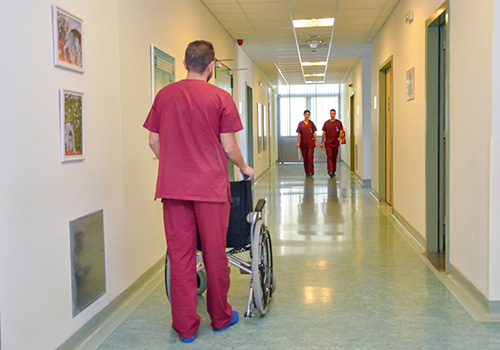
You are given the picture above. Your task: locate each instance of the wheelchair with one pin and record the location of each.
(246, 233)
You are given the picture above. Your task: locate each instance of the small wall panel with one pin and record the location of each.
(88, 277)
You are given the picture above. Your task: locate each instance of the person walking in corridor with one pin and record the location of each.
(333, 130)
(307, 141)
(192, 126)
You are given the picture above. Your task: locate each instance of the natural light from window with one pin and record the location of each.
(294, 99)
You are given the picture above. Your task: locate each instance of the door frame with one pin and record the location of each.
(432, 109)
(382, 126)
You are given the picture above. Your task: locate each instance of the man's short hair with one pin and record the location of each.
(198, 55)
(333, 110)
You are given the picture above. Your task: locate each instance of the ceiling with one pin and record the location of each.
(278, 49)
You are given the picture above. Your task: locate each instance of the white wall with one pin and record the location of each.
(251, 75)
(355, 79)
(39, 195)
(470, 119)
(470, 131)
(345, 151)
(360, 80)
(406, 44)
(494, 263)
(366, 107)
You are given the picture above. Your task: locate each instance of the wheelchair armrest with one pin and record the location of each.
(260, 205)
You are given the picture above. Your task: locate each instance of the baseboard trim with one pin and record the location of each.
(94, 332)
(471, 298)
(409, 229)
(475, 303)
(495, 309)
(364, 183)
(375, 195)
(256, 181)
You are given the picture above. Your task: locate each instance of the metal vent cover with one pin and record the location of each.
(88, 277)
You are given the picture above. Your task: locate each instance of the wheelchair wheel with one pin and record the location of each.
(201, 276)
(261, 268)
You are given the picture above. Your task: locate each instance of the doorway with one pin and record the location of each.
(250, 126)
(437, 138)
(385, 133)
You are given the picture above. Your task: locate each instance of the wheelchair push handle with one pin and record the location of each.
(260, 205)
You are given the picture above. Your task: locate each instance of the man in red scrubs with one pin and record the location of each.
(192, 126)
(332, 131)
(306, 140)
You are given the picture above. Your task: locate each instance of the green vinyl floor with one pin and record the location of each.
(346, 279)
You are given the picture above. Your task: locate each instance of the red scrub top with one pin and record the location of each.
(189, 116)
(306, 134)
(332, 130)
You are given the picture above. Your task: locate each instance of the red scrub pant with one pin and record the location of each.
(183, 219)
(308, 157)
(331, 158)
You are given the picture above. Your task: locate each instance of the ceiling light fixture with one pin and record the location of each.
(315, 75)
(314, 43)
(323, 63)
(313, 22)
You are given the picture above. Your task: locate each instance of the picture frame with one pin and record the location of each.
(162, 70)
(410, 84)
(72, 125)
(68, 40)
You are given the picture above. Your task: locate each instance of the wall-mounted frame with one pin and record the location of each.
(162, 70)
(410, 84)
(68, 39)
(71, 110)
(259, 127)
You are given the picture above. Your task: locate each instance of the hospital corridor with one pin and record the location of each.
(348, 277)
(370, 129)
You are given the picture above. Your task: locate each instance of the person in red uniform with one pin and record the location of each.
(192, 126)
(332, 132)
(306, 140)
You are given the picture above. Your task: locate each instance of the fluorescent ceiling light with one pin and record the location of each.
(323, 63)
(315, 75)
(315, 82)
(313, 22)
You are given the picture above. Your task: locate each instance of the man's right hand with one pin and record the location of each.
(247, 173)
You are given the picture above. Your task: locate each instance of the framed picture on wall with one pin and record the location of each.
(162, 70)
(68, 38)
(410, 84)
(72, 132)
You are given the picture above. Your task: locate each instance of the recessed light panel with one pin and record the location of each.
(313, 22)
(322, 63)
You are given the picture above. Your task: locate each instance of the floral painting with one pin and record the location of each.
(72, 127)
(68, 40)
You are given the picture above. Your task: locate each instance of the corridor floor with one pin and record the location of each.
(346, 279)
